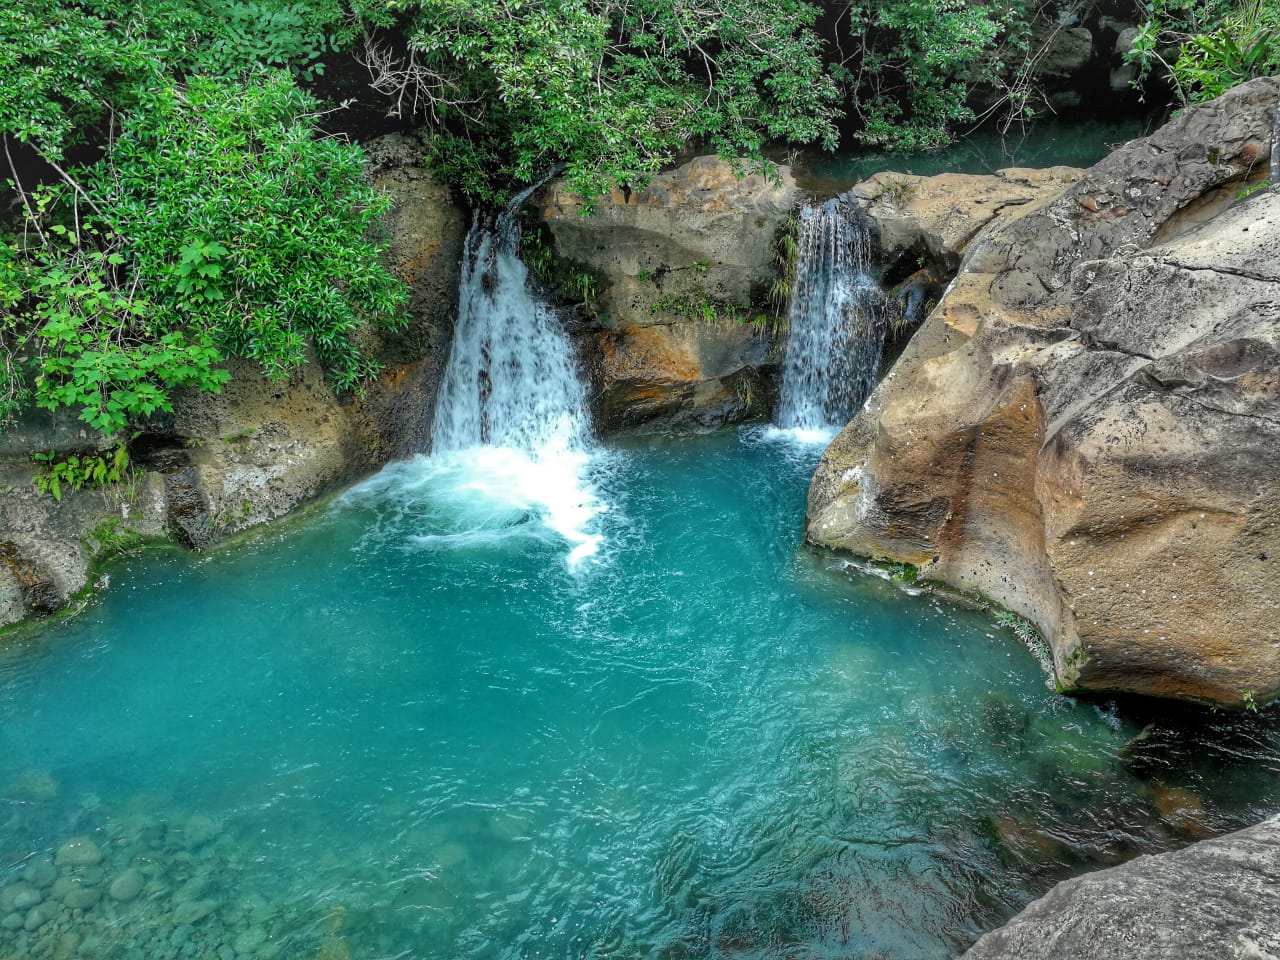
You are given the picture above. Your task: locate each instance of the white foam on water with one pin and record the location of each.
(513, 455)
(800, 436)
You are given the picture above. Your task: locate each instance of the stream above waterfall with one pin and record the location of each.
(341, 740)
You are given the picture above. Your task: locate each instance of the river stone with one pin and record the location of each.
(78, 852)
(38, 916)
(67, 946)
(199, 830)
(127, 886)
(76, 895)
(193, 911)
(250, 940)
(1087, 428)
(40, 872)
(25, 898)
(12, 921)
(1216, 900)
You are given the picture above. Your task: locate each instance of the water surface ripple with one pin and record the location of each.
(340, 742)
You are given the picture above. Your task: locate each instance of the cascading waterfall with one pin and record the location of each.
(511, 380)
(511, 441)
(838, 320)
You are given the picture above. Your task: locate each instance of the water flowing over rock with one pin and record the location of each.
(837, 320)
(1086, 427)
(512, 451)
(1217, 900)
(511, 379)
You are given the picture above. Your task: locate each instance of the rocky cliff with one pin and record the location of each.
(683, 270)
(258, 451)
(1087, 428)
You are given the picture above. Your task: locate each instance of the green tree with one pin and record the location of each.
(613, 89)
(219, 223)
(910, 66)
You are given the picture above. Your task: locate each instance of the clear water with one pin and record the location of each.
(837, 322)
(1052, 141)
(362, 737)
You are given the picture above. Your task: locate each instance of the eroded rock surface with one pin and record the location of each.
(683, 268)
(935, 218)
(1087, 428)
(1216, 900)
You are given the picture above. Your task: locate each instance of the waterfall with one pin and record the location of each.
(511, 379)
(512, 457)
(838, 320)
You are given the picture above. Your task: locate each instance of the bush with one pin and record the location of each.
(218, 224)
(1217, 44)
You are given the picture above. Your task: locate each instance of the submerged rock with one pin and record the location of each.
(1087, 427)
(1216, 900)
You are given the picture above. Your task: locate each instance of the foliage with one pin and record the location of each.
(1205, 47)
(76, 472)
(218, 224)
(611, 89)
(111, 537)
(68, 64)
(786, 259)
(914, 62)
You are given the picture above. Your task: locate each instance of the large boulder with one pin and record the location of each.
(1216, 900)
(931, 220)
(259, 450)
(682, 271)
(1086, 430)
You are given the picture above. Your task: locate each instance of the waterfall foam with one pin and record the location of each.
(511, 441)
(837, 324)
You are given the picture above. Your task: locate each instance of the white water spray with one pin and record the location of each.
(511, 441)
(837, 327)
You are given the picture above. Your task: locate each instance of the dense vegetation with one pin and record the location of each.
(178, 202)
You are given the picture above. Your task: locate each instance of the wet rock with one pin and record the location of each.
(78, 852)
(12, 921)
(679, 377)
(127, 886)
(1215, 900)
(74, 893)
(67, 946)
(38, 916)
(193, 911)
(40, 872)
(248, 942)
(680, 267)
(24, 897)
(32, 786)
(1180, 808)
(199, 830)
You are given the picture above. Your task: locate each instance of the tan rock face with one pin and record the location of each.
(937, 216)
(692, 257)
(1087, 428)
(679, 376)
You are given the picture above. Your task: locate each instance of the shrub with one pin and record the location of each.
(218, 224)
